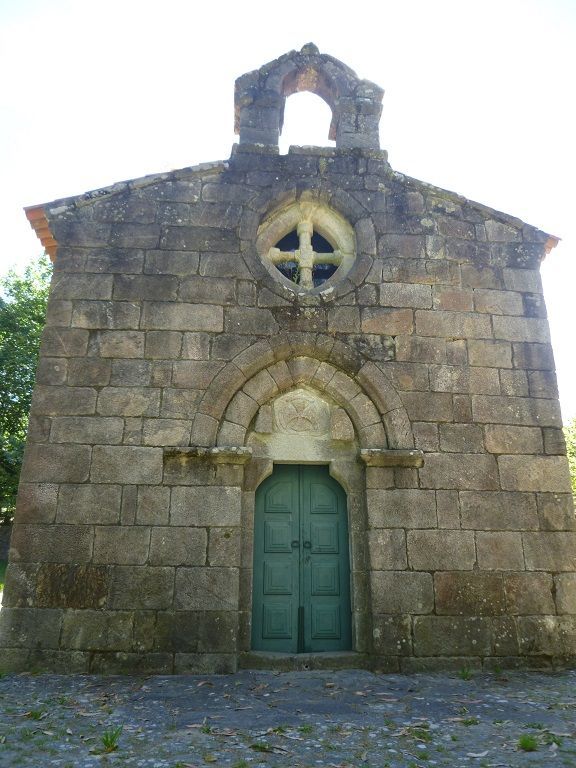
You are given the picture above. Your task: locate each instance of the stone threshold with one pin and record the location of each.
(293, 662)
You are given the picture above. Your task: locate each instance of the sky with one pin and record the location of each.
(479, 99)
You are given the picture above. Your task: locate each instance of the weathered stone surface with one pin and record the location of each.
(121, 544)
(441, 550)
(387, 550)
(550, 551)
(126, 464)
(97, 630)
(509, 439)
(487, 352)
(89, 504)
(119, 344)
(402, 592)
(565, 593)
(179, 316)
(556, 511)
(498, 511)
(128, 401)
(205, 505)
(51, 543)
(62, 401)
(516, 410)
(206, 589)
(178, 546)
(460, 470)
(86, 429)
(141, 586)
(529, 593)
(461, 438)
(390, 322)
(56, 463)
(499, 551)
(534, 473)
(153, 505)
(469, 594)
(401, 508)
(36, 502)
(452, 636)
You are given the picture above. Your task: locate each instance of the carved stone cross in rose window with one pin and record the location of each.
(305, 256)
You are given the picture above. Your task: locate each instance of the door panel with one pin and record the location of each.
(301, 597)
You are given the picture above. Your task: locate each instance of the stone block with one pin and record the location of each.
(387, 550)
(64, 342)
(534, 473)
(510, 439)
(480, 276)
(516, 410)
(36, 502)
(89, 504)
(441, 550)
(554, 441)
(20, 585)
(565, 592)
(30, 628)
(181, 263)
(56, 463)
(126, 464)
(195, 374)
(251, 320)
(179, 402)
(139, 287)
(126, 261)
(550, 551)
(428, 406)
(426, 436)
(141, 587)
(392, 635)
(205, 506)
(223, 265)
(51, 370)
(341, 428)
(60, 585)
(199, 238)
(208, 290)
(524, 280)
(196, 346)
(121, 544)
(97, 630)
(529, 593)
(533, 356)
(402, 592)
(166, 432)
(389, 322)
(163, 345)
(81, 286)
(405, 295)
(408, 376)
(452, 636)
(130, 373)
(452, 324)
(129, 401)
(178, 546)
(401, 508)
(542, 384)
(153, 505)
(121, 344)
(527, 329)
(420, 349)
(470, 593)
(547, 635)
(90, 371)
(113, 315)
(344, 320)
(51, 543)
(224, 546)
(490, 353)
(460, 471)
(556, 511)
(452, 299)
(158, 315)
(86, 429)
(63, 401)
(206, 589)
(498, 511)
(498, 302)
(461, 438)
(448, 509)
(448, 378)
(58, 313)
(499, 551)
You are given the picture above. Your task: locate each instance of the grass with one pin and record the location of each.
(528, 743)
(110, 739)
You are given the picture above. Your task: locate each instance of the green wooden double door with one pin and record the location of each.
(301, 594)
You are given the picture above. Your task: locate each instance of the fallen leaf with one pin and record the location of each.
(477, 754)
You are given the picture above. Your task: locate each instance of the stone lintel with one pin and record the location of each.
(227, 454)
(386, 457)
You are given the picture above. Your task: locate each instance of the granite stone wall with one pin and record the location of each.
(168, 335)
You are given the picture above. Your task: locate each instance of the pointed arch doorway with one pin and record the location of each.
(301, 576)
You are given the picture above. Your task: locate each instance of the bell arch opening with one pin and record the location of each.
(306, 121)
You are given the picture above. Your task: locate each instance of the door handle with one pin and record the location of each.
(295, 543)
(307, 544)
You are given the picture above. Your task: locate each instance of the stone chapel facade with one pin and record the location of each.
(292, 409)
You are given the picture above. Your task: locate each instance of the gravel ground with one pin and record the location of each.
(339, 719)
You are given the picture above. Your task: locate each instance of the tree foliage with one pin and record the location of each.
(570, 435)
(23, 301)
